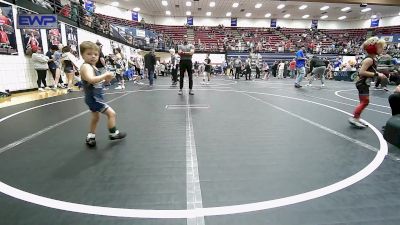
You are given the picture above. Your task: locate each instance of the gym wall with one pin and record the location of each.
(16, 71)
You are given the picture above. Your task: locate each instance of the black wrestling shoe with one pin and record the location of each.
(117, 136)
(91, 142)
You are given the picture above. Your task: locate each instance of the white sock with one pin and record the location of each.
(90, 135)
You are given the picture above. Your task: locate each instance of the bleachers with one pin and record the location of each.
(212, 39)
(345, 35)
(387, 30)
(117, 21)
(257, 34)
(295, 35)
(174, 32)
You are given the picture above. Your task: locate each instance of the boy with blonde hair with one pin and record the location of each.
(94, 95)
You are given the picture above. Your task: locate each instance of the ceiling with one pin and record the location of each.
(155, 8)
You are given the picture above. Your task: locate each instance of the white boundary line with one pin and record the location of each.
(194, 199)
(322, 127)
(342, 103)
(187, 106)
(213, 211)
(27, 138)
(355, 100)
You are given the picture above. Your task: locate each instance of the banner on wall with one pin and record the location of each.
(374, 22)
(8, 40)
(234, 22)
(54, 36)
(135, 16)
(396, 38)
(31, 38)
(72, 39)
(387, 38)
(190, 20)
(314, 24)
(273, 22)
(140, 33)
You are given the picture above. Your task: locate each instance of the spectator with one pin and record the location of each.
(40, 64)
(149, 64)
(292, 68)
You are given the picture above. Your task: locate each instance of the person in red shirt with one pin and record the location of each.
(292, 68)
(4, 19)
(32, 42)
(3, 36)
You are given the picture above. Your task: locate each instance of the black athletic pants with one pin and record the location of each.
(258, 73)
(41, 78)
(231, 71)
(174, 75)
(237, 72)
(248, 73)
(394, 101)
(186, 65)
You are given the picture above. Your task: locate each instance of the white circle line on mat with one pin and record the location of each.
(355, 100)
(212, 211)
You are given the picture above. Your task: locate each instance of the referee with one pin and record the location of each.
(186, 52)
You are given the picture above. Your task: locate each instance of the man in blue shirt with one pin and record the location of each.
(301, 67)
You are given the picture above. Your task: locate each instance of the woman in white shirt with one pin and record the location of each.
(40, 65)
(281, 69)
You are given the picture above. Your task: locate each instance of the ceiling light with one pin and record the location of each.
(258, 5)
(188, 3)
(212, 4)
(115, 3)
(373, 17)
(366, 10)
(345, 9)
(303, 7)
(342, 17)
(136, 9)
(248, 14)
(168, 12)
(164, 3)
(188, 13)
(235, 5)
(324, 8)
(268, 15)
(324, 16)
(228, 14)
(208, 13)
(305, 16)
(286, 16)
(281, 6)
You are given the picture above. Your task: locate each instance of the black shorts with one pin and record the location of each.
(69, 69)
(362, 87)
(95, 101)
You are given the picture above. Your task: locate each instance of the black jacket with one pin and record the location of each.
(150, 61)
(316, 62)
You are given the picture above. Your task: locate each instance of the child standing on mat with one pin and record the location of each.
(94, 96)
(373, 47)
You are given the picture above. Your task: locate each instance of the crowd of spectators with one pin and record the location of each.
(217, 38)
